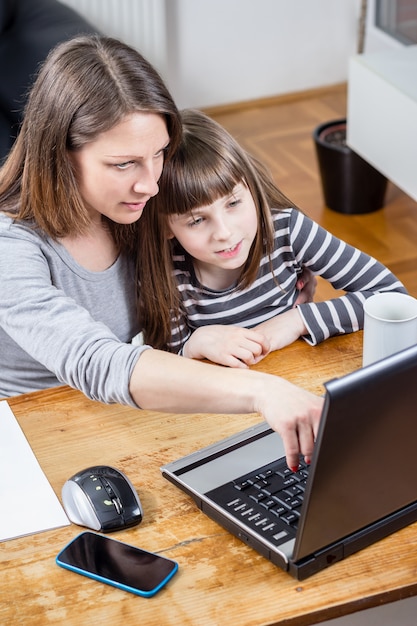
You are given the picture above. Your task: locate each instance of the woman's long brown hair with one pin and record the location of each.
(86, 86)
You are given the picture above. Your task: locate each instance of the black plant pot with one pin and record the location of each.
(350, 184)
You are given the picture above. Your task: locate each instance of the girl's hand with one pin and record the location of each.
(227, 345)
(283, 329)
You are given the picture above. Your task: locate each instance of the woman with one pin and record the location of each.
(98, 125)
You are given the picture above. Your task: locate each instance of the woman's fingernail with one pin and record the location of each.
(294, 469)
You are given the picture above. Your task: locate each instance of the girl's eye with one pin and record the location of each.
(195, 222)
(234, 203)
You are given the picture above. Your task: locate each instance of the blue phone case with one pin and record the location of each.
(65, 555)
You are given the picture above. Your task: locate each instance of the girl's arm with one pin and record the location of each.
(236, 346)
(344, 267)
(230, 345)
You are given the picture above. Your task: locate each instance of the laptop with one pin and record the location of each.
(361, 484)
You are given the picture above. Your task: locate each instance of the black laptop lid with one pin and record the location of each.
(364, 465)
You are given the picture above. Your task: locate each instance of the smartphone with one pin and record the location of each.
(116, 563)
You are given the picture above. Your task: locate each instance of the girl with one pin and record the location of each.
(224, 250)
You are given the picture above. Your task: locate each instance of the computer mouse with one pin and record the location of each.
(101, 498)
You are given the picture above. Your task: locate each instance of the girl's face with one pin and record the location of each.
(219, 236)
(119, 171)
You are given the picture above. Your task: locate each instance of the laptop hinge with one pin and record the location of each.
(318, 561)
(357, 541)
(380, 529)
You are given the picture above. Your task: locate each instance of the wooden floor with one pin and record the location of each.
(280, 133)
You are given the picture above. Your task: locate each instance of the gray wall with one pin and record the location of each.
(214, 52)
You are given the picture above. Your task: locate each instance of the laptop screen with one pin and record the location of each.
(364, 465)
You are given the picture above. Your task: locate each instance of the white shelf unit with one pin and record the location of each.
(382, 113)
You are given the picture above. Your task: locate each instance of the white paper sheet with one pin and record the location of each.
(28, 504)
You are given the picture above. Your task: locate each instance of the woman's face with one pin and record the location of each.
(119, 171)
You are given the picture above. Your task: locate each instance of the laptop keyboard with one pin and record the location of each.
(267, 501)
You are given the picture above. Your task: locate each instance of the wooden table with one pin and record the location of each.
(221, 580)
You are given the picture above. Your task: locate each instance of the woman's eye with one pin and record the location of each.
(123, 166)
(234, 203)
(161, 153)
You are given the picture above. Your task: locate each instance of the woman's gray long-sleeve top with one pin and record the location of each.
(62, 324)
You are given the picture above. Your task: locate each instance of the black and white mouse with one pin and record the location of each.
(101, 498)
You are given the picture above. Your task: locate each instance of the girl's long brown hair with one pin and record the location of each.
(206, 166)
(86, 86)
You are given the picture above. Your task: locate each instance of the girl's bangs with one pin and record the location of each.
(198, 185)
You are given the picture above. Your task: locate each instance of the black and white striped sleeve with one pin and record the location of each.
(347, 269)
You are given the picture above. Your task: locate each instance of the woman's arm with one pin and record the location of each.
(54, 332)
(162, 381)
(62, 324)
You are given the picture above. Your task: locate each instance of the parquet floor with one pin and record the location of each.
(280, 133)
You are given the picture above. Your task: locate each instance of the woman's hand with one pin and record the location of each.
(306, 285)
(295, 414)
(232, 346)
(283, 329)
(166, 382)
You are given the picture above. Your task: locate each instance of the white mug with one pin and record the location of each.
(390, 325)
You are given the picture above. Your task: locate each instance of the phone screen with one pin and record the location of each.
(117, 563)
